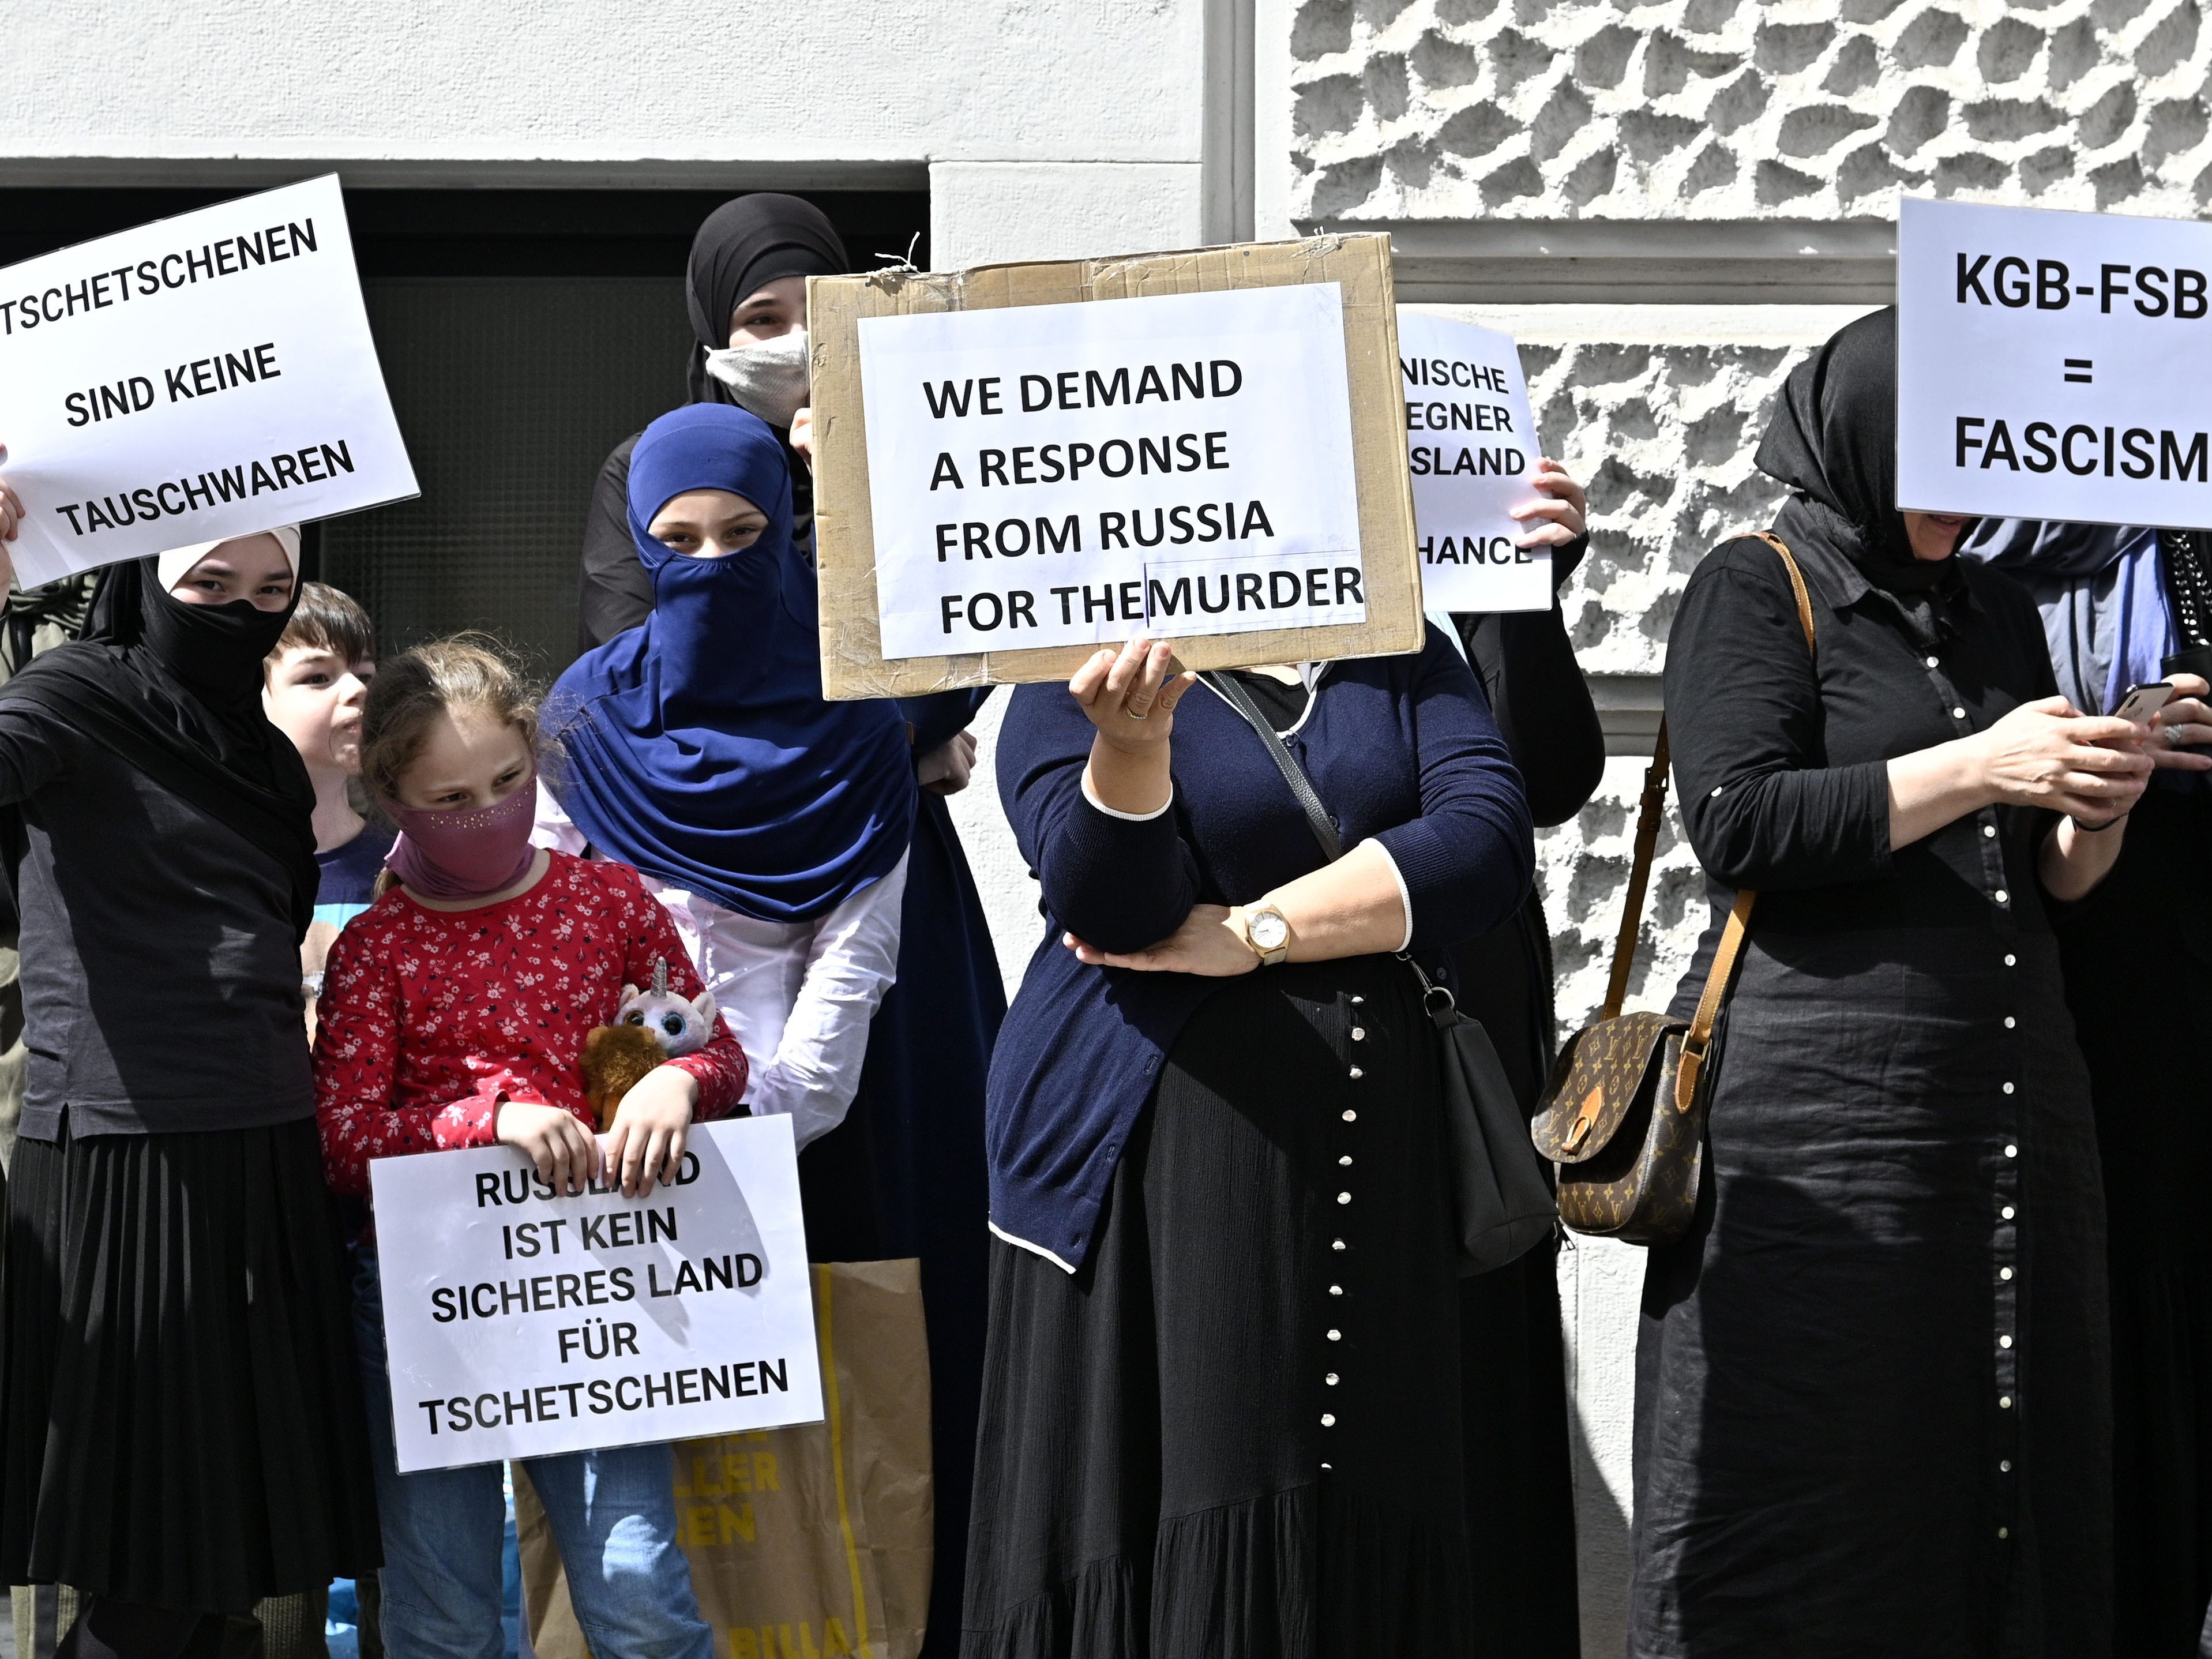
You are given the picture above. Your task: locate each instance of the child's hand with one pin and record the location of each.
(566, 1154)
(645, 1142)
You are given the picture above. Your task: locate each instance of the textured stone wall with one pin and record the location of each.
(1658, 410)
(1733, 109)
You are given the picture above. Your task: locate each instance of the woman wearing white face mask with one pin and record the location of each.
(746, 290)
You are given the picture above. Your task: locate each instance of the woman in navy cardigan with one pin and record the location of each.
(1222, 1408)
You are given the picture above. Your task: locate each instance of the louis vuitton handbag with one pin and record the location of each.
(1624, 1115)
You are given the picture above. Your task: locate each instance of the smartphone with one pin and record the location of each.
(2139, 702)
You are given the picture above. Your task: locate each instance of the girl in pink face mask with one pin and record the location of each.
(453, 1014)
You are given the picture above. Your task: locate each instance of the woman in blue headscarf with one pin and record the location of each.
(773, 824)
(776, 827)
(2124, 605)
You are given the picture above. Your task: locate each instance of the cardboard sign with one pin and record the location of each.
(1472, 443)
(201, 377)
(1017, 463)
(521, 1322)
(2051, 365)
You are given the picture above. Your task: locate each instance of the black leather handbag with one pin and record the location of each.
(1502, 1202)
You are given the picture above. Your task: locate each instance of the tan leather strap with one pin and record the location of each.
(1796, 584)
(1639, 880)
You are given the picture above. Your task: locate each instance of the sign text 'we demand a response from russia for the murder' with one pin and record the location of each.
(2050, 364)
(1057, 475)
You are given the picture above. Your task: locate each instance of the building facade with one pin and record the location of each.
(1667, 204)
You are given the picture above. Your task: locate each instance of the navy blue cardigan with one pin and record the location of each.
(1402, 749)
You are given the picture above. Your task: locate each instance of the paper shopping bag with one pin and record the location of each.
(811, 1542)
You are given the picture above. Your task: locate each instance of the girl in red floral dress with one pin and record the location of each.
(453, 1014)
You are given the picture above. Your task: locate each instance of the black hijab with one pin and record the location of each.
(1833, 440)
(175, 690)
(743, 246)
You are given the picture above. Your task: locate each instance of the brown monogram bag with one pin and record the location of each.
(1625, 1115)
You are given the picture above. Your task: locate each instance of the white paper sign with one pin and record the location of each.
(201, 377)
(521, 1322)
(1472, 443)
(2053, 365)
(1073, 474)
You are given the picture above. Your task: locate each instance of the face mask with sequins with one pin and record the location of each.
(465, 853)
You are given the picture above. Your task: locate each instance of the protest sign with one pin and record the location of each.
(1472, 443)
(2050, 365)
(1018, 463)
(521, 1322)
(200, 377)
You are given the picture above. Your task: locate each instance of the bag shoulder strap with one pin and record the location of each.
(1317, 818)
(1639, 880)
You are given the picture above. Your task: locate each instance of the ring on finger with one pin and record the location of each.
(2174, 739)
(1136, 713)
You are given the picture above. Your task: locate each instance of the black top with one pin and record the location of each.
(1541, 702)
(161, 970)
(1782, 770)
(350, 871)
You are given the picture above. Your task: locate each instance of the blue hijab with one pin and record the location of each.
(2104, 607)
(699, 746)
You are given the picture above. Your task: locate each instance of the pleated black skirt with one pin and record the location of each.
(182, 1417)
(1235, 1433)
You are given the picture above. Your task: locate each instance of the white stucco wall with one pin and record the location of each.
(1054, 128)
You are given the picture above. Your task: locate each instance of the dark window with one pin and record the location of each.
(523, 334)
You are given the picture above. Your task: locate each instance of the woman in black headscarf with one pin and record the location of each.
(903, 1175)
(1872, 1392)
(746, 291)
(180, 1420)
(2122, 605)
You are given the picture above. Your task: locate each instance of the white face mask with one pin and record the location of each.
(767, 377)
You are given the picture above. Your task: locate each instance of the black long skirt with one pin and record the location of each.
(183, 1415)
(1236, 1432)
(1873, 1391)
(2150, 1075)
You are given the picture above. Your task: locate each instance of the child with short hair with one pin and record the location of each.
(312, 689)
(454, 1014)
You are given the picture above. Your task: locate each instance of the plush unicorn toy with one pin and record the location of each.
(650, 1027)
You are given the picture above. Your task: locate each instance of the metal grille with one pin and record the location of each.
(510, 392)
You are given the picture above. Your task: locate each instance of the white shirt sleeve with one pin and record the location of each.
(851, 962)
(1404, 897)
(555, 828)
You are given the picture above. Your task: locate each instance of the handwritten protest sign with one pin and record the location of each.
(200, 377)
(1472, 444)
(522, 1321)
(2051, 365)
(1018, 463)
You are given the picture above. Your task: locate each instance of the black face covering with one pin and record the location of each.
(741, 247)
(175, 689)
(1834, 440)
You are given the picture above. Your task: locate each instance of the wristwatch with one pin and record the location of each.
(1267, 933)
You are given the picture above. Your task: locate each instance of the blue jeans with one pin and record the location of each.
(613, 1516)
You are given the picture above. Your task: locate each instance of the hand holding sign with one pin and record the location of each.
(1471, 441)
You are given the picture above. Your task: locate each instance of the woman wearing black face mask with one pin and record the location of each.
(180, 1428)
